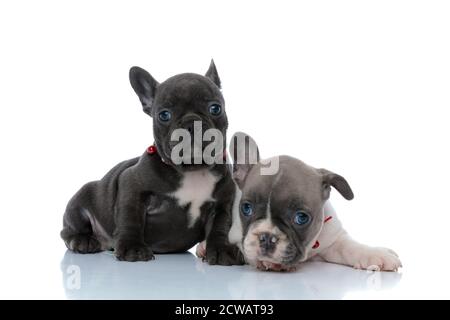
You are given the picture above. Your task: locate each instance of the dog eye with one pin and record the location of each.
(247, 209)
(165, 115)
(301, 218)
(215, 109)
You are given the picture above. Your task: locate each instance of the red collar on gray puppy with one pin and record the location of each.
(152, 149)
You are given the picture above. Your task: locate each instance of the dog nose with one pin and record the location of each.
(193, 124)
(189, 127)
(267, 242)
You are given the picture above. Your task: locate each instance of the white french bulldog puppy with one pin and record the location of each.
(283, 219)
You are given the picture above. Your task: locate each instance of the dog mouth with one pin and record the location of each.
(196, 158)
(192, 167)
(189, 166)
(270, 265)
(269, 248)
(286, 261)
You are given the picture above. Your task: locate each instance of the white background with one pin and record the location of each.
(357, 87)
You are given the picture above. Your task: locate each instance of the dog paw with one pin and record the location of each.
(133, 251)
(378, 259)
(82, 243)
(200, 250)
(223, 255)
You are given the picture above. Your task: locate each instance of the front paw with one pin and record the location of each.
(83, 243)
(200, 250)
(127, 250)
(378, 259)
(223, 255)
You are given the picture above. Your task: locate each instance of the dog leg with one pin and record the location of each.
(130, 224)
(77, 230)
(347, 251)
(218, 249)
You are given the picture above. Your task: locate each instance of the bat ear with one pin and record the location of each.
(331, 179)
(245, 154)
(145, 87)
(212, 74)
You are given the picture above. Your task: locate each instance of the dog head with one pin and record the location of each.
(278, 217)
(189, 119)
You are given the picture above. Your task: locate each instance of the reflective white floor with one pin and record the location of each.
(56, 273)
(183, 276)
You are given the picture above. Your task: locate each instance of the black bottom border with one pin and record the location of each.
(220, 309)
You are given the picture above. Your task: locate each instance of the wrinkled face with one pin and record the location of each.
(277, 214)
(189, 119)
(281, 214)
(193, 104)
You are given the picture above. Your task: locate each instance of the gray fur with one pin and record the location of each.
(130, 209)
(296, 186)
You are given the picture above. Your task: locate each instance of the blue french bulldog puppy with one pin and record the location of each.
(153, 204)
(285, 218)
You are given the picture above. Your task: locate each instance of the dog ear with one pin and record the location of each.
(245, 154)
(145, 87)
(331, 179)
(212, 74)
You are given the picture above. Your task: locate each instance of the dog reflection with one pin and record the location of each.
(183, 276)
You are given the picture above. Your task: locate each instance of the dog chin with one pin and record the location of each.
(183, 167)
(271, 265)
(280, 263)
(192, 167)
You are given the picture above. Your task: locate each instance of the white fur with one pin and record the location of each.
(251, 247)
(200, 250)
(347, 251)
(268, 213)
(235, 233)
(329, 232)
(196, 188)
(336, 246)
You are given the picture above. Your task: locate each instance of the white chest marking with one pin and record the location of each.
(196, 188)
(235, 234)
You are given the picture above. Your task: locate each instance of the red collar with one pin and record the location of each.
(317, 244)
(152, 150)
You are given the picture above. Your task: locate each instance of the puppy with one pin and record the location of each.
(282, 219)
(156, 203)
